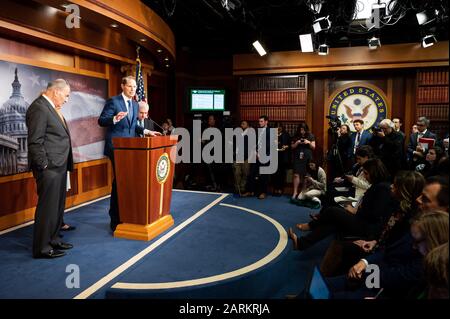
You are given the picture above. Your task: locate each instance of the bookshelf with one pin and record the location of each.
(281, 98)
(432, 98)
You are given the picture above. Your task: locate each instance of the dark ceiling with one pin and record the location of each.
(206, 27)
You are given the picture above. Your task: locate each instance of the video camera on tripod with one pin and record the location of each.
(334, 122)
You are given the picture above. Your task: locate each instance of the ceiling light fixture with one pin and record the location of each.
(426, 16)
(315, 6)
(374, 43)
(323, 49)
(114, 25)
(259, 48)
(306, 42)
(428, 41)
(321, 24)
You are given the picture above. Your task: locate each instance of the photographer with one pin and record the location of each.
(344, 145)
(388, 146)
(302, 147)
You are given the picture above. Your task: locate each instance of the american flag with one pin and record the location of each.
(140, 91)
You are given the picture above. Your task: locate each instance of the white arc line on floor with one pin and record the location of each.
(116, 272)
(282, 242)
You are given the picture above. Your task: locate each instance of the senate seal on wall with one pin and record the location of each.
(162, 168)
(358, 102)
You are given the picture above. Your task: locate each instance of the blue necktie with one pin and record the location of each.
(130, 111)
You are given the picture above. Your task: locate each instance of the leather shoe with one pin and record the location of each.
(262, 196)
(54, 253)
(63, 246)
(67, 227)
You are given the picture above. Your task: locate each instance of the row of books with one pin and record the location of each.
(289, 127)
(278, 113)
(432, 95)
(438, 76)
(433, 112)
(293, 97)
(262, 83)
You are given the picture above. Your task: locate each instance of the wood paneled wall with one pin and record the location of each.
(89, 180)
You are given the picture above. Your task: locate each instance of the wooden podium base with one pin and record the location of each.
(144, 232)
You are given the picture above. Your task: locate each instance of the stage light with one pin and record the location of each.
(306, 42)
(315, 6)
(426, 16)
(374, 43)
(321, 24)
(378, 14)
(259, 48)
(428, 41)
(323, 49)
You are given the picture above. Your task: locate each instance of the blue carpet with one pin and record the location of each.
(221, 240)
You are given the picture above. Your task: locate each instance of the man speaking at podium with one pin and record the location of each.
(119, 116)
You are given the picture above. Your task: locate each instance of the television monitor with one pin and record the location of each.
(207, 100)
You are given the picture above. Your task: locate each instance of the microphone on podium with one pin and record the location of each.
(162, 130)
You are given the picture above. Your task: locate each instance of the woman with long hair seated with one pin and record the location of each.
(429, 167)
(364, 221)
(315, 183)
(407, 187)
(399, 266)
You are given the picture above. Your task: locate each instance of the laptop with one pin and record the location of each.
(316, 287)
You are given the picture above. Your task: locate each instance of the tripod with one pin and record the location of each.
(334, 155)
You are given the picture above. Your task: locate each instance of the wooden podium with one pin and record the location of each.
(144, 175)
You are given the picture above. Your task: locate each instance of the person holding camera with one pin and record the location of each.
(302, 145)
(389, 145)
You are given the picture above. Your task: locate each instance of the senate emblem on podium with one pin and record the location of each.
(162, 168)
(358, 101)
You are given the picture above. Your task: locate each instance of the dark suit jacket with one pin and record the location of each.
(376, 206)
(124, 128)
(413, 142)
(148, 125)
(364, 140)
(401, 266)
(391, 152)
(49, 141)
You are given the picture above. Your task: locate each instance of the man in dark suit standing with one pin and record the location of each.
(143, 119)
(50, 157)
(360, 137)
(119, 116)
(415, 151)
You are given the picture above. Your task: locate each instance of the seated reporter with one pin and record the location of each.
(357, 180)
(400, 263)
(407, 187)
(365, 220)
(314, 184)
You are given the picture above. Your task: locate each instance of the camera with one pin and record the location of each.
(334, 122)
(302, 140)
(376, 129)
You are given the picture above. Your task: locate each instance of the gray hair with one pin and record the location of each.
(387, 122)
(143, 105)
(57, 84)
(424, 120)
(128, 78)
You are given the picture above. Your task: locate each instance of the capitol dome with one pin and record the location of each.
(12, 121)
